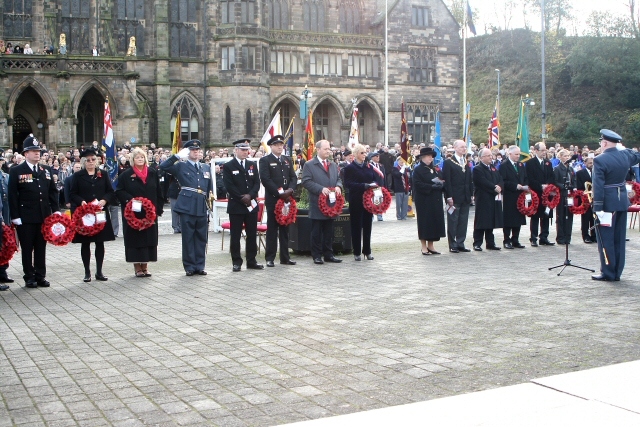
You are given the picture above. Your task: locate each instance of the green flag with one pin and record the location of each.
(522, 133)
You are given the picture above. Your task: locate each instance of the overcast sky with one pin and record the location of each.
(581, 10)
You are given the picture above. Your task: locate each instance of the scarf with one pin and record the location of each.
(142, 174)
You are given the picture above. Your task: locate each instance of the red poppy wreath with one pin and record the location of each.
(583, 205)
(84, 218)
(635, 187)
(58, 230)
(149, 214)
(330, 211)
(9, 244)
(551, 196)
(284, 216)
(381, 207)
(530, 210)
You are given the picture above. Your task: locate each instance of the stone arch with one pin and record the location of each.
(41, 90)
(286, 96)
(192, 98)
(344, 115)
(102, 89)
(374, 105)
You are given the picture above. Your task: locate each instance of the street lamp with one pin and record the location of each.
(529, 103)
(304, 102)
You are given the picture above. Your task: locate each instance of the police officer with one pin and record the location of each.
(195, 187)
(610, 197)
(32, 197)
(243, 183)
(279, 180)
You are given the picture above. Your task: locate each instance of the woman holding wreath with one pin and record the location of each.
(359, 176)
(427, 186)
(91, 185)
(140, 181)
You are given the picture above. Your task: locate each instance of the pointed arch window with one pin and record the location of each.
(227, 118)
(189, 120)
(278, 14)
(350, 15)
(248, 125)
(313, 15)
(129, 22)
(17, 19)
(183, 17)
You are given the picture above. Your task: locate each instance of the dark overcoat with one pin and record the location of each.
(538, 175)
(488, 210)
(314, 179)
(239, 181)
(32, 197)
(428, 201)
(87, 188)
(511, 179)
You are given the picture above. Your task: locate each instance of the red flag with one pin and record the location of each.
(311, 143)
(404, 139)
(494, 129)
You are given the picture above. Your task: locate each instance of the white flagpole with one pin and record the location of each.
(386, 73)
(464, 61)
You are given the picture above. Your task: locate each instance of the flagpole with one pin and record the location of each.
(464, 60)
(386, 73)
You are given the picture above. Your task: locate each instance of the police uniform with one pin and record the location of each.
(279, 180)
(241, 179)
(195, 186)
(610, 195)
(32, 198)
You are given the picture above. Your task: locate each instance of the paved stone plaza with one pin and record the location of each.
(287, 344)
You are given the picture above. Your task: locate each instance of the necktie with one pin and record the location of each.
(242, 164)
(35, 169)
(326, 165)
(515, 165)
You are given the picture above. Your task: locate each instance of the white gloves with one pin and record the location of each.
(183, 154)
(17, 221)
(57, 213)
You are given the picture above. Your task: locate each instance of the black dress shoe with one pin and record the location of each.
(288, 262)
(332, 259)
(201, 273)
(454, 250)
(477, 248)
(587, 241)
(6, 279)
(357, 258)
(464, 250)
(270, 264)
(188, 273)
(237, 268)
(101, 277)
(534, 243)
(517, 245)
(494, 248)
(318, 261)
(255, 266)
(44, 284)
(600, 277)
(369, 257)
(4, 287)
(87, 278)
(546, 243)
(506, 246)
(31, 284)
(433, 252)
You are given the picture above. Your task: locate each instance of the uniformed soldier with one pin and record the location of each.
(610, 197)
(243, 183)
(32, 198)
(279, 180)
(195, 187)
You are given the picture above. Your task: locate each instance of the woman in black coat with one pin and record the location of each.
(564, 178)
(359, 176)
(428, 200)
(90, 185)
(140, 246)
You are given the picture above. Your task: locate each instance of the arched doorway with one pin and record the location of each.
(367, 124)
(327, 123)
(30, 116)
(90, 117)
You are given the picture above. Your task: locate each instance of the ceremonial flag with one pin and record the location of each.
(109, 142)
(522, 132)
(466, 136)
(437, 142)
(176, 145)
(275, 128)
(470, 24)
(311, 143)
(494, 129)
(404, 137)
(354, 136)
(288, 136)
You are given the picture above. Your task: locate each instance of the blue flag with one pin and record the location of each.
(109, 142)
(437, 142)
(472, 27)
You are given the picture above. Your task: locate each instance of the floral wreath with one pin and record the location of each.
(58, 229)
(323, 204)
(583, 206)
(289, 217)
(149, 214)
(78, 219)
(551, 196)
(530, 210)
(635, 187)
(9, 244)
(371, 207)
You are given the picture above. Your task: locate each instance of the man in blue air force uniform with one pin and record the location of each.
(610, 197)
(195, 187)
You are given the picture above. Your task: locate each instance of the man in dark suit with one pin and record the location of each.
(242, 183)
(195, 188)
(374, 161)
(540, 174)
(583, 176)
(488, 187)
(514, 176)
(32, 198)
(318, 176)
(458, 185)
(279, 180)
(610, 202)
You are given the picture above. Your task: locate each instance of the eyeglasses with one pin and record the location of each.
(91, 160)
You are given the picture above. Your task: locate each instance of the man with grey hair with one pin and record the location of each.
(540, 174)
(488, 187)
(458, 185)
(514, 175)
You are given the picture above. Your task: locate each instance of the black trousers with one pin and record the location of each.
(321, 238)
(250, 223)
(511, 234)
(34, 252)
(563, 225)
(543, 221)
(276, 233)
(586, 224)
(361, 223)
(194, 241)
(487, 234)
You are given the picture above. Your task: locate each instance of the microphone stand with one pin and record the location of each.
(567, 261)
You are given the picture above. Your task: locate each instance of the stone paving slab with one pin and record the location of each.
(295, 343)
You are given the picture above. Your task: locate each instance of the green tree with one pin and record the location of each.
(606, 24)
(556, 12)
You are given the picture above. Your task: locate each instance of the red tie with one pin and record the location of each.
(326, 165)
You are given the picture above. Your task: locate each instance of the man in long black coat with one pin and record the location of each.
(583, 176)
(458, 185)
(540, 174)
(514, 176)
(488, 186)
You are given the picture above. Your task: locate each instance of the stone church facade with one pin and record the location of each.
(228, 66)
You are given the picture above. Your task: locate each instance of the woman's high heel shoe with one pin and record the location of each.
(101, 277)
(87, 277)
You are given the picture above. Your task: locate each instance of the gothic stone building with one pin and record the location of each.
(228, 66)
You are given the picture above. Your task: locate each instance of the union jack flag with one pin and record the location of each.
(494, 129)
(109, 142)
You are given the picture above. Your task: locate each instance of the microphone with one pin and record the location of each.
(573, 158)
